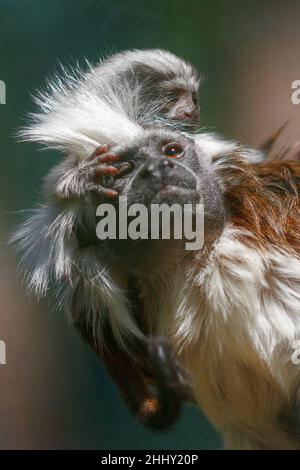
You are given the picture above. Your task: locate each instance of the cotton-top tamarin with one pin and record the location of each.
(229, 311)
(107, 104)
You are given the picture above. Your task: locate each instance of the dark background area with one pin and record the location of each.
(54, 393)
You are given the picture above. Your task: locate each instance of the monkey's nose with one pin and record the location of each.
(166, 162)
(161, 165)
(192, 113)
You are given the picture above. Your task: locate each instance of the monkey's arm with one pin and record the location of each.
(153, 397)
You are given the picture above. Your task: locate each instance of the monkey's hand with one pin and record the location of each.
(94, 176)
(97, 170)
(101, 170)
(170, 376)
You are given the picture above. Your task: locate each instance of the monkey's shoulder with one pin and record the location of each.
(266, 203)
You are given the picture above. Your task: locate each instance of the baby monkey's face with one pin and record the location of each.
(179, 105)
(182, 105)
(173, 99)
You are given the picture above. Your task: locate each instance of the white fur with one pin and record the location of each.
(233, 319)
(212, 148)
(76, 117)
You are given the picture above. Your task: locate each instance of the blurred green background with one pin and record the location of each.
(54, 393)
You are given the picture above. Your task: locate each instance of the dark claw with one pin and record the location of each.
(168, 372)
(124, 169)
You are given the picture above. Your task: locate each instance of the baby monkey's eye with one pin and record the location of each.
(173, 96)
(195, 99)
(173, 150)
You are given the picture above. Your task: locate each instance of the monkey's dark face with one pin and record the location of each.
(183, 106)
(165, 167)
(177, 103)
(171, 97)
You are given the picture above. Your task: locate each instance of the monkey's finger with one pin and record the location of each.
(101, 170)
(111, 193)
(103, 192)
(109, 158)
(99, 151)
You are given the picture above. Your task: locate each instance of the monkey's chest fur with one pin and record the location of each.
(232, 323)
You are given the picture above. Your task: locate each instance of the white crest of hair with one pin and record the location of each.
(80, 111)
(215, 149)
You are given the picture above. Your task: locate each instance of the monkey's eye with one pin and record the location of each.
(173, 150)
(195, 99)
(173, 96)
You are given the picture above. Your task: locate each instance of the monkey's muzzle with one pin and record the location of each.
(164, 180)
